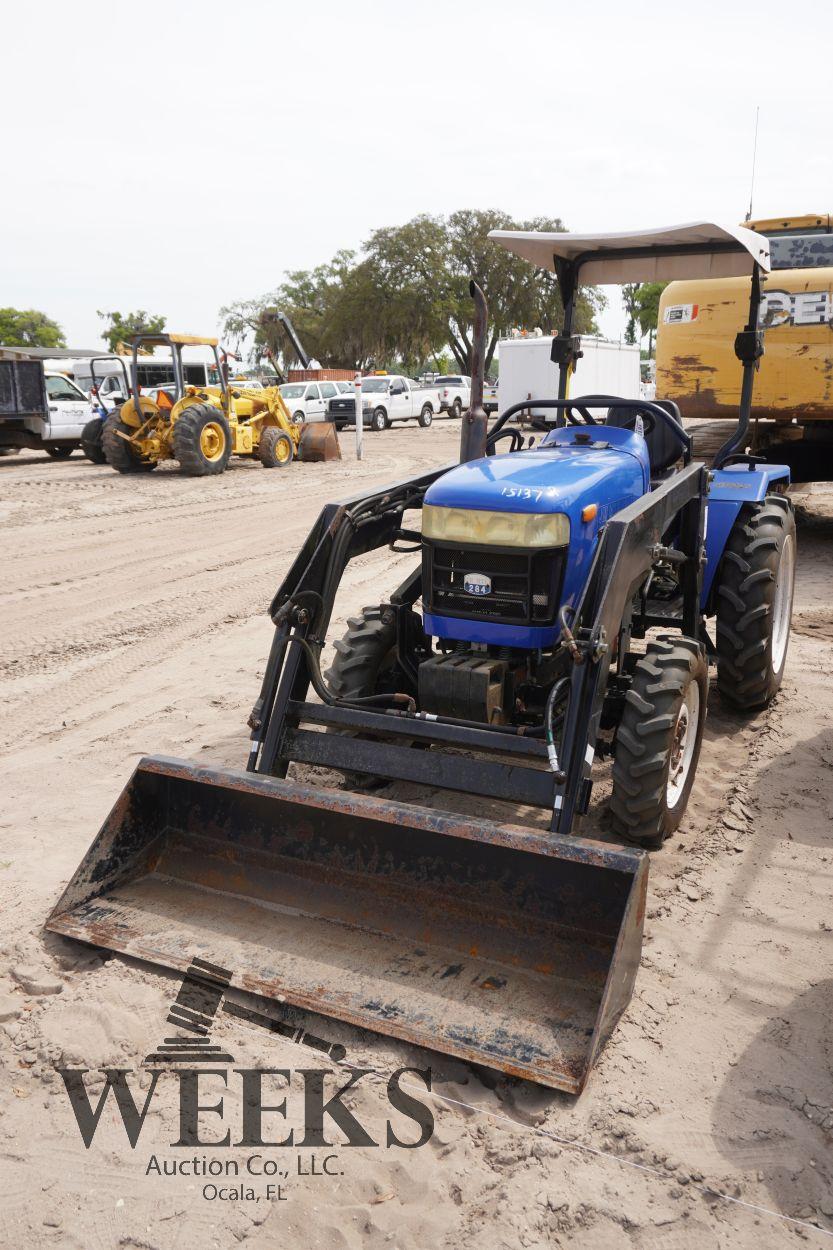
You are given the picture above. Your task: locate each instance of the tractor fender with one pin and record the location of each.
(134, 419)
(187, 401)
(729, 490)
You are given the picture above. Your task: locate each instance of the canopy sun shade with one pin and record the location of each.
(701, 249)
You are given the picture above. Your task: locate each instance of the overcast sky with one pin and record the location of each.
(175, 157)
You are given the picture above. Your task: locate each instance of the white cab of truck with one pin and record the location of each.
(69, 408)
(455, 393)
(388, 398)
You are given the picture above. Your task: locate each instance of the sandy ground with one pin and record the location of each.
(133, 621)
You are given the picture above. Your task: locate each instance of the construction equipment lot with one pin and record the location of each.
(134, 619)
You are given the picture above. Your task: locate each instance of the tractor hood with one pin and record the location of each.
(584, 473)
(571, 469)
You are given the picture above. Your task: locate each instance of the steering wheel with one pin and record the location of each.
(651, 413)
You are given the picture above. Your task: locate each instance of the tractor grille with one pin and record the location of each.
(525, 585)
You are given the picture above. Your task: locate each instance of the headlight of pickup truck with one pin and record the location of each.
(496, 529)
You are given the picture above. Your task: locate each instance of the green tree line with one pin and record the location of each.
(404, 300)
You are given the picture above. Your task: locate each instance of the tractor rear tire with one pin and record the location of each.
(658, 740)
(202, 441)
(753, 600)
(275, 449)
(117, 452)
(91, 441)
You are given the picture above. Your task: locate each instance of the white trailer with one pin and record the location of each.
(527, 372)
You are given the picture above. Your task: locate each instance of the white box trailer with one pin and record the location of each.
(527, 372)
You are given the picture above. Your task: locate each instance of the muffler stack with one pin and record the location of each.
(499, 945)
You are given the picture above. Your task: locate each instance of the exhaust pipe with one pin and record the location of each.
(475, 421)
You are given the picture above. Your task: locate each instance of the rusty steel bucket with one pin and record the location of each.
(319, 442)
(500, 945)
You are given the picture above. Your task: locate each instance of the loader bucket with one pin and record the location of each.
(501, 945)
(319, 441)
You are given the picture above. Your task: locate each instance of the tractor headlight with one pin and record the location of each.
(495, 529)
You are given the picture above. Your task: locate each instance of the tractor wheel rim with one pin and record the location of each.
(282, 450)
(683, 742)
(782, 603)
(212, 441)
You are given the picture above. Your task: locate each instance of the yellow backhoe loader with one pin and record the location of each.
(203, 426)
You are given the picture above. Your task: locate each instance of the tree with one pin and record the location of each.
(641, 301)
(407, 301)
(29, 328)
(629, 294)
(124, 326)
(647, 308)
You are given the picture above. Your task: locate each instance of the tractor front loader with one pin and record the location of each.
(203, 426)
(556, 613)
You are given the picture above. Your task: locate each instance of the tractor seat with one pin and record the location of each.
(664, 449)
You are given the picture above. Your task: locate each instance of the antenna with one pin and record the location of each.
(754, 154)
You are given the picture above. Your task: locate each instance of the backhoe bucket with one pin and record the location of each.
(504, 946)
(319, 441)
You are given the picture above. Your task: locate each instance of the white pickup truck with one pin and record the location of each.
(490, 403)
(385, 399)
(40, 410)
(455, 393)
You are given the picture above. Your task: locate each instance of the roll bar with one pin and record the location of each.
(94, 360)
(698, 249)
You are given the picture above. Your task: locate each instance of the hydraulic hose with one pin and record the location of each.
(327, 696)
(549, 712)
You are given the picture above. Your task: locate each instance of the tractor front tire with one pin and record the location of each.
(91, 441)
(658, 740)
(364, 657)
(275, 449)
(753, 601)
(202, 441)
(118, 453)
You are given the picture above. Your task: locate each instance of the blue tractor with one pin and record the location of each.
(556, 614)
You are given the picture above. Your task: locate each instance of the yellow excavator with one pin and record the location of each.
(792, 414)
(201, 427)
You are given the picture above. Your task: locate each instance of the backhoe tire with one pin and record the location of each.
(60, 453)
(363, 657)
(202, 441)
(91, 441)
(275, 449)
(426, 416)
(753, 601)
(658, 740)
(117, 452)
